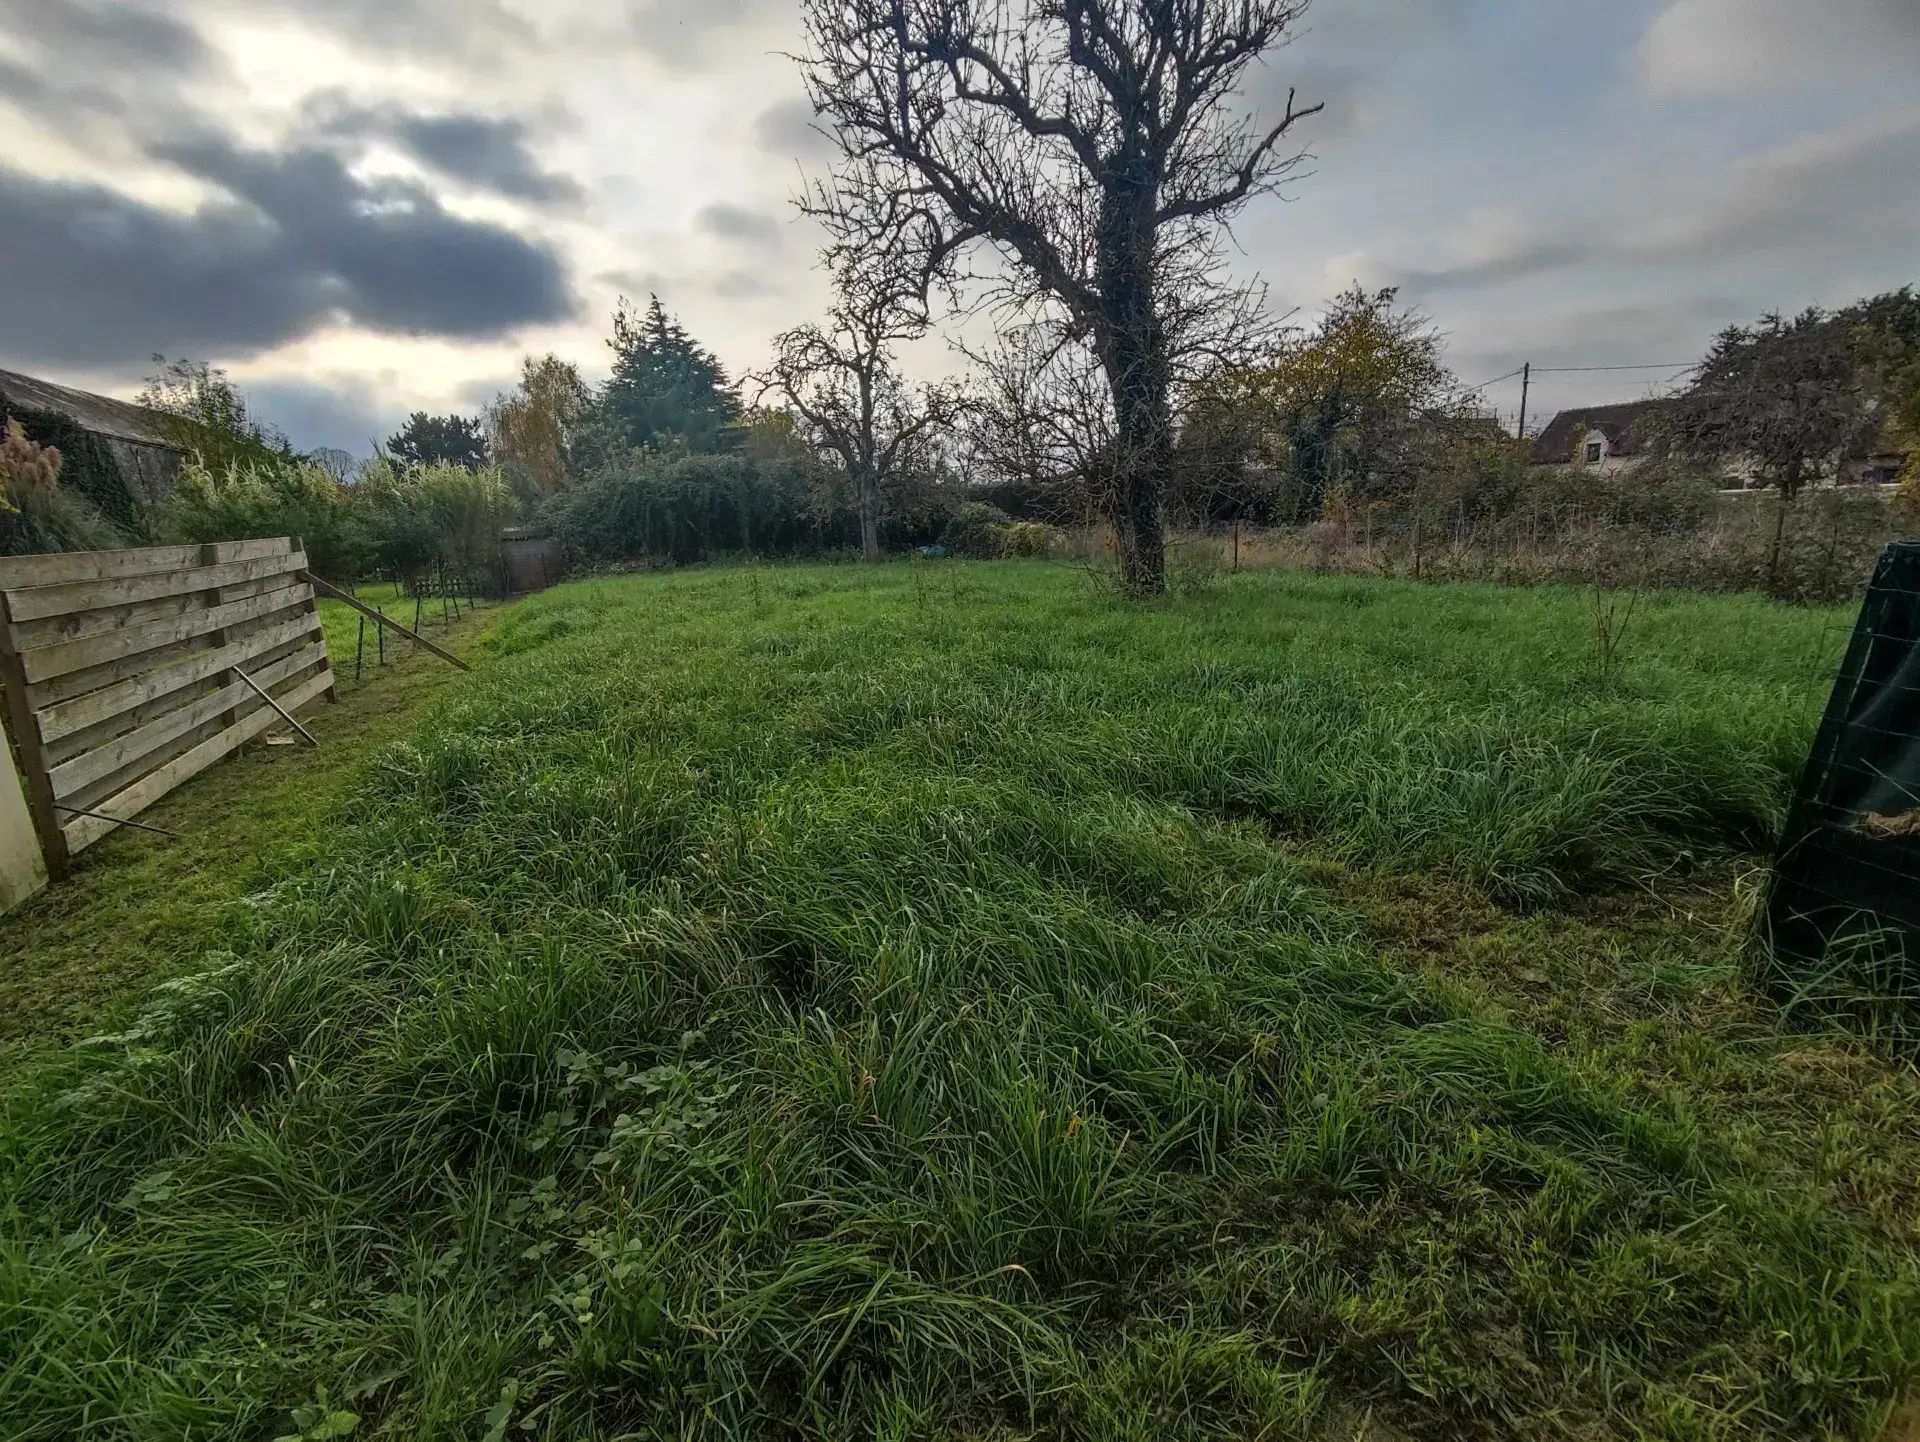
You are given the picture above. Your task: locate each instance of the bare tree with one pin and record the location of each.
(840, 382)
(1039, 419)
(1092, 149)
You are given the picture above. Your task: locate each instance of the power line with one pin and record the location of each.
(1496, 380)
(1582, 370)
(1571, 370)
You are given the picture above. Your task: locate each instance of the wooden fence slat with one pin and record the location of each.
(83, 831)
(21, 572)
(63, 600)
(67, 747)
(91, 766)
(49, 662)
(85, 798)
(252, 550)
(51, 631)
(65, 718)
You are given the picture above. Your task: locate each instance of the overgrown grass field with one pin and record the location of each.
(945, 1001)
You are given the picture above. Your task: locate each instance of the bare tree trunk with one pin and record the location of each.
(1779, 535)
(870, 517)
(1140, 373)
(1136, 524)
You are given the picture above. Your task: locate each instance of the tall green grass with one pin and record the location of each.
(830, 1003)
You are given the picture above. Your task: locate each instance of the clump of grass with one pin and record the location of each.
(913, 1028)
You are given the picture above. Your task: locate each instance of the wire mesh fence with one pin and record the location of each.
(1846, 883)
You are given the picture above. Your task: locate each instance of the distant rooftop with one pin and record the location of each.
(103, 415)
(1622, 425)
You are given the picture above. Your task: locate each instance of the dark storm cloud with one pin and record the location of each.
(91, 70)
(736, 222)
(493, 153)
(95, 277)
(483, 152)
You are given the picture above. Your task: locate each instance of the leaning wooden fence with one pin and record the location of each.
(126, 672)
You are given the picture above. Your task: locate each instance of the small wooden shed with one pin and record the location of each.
(530, 560)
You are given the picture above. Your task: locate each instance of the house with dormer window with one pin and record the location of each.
(1603, 440)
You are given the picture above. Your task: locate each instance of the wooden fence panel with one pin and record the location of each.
(122, 672)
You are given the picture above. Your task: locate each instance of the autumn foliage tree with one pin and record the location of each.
(1345, 399)
(531, 431)
(1073, 162)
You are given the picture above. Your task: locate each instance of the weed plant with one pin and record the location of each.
(823, 1002)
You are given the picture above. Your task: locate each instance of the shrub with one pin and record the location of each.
(439, 516)
(89, 471)
(252, 499)
(686, 508)
(979, 530)
(37, 513)
(1029, 540)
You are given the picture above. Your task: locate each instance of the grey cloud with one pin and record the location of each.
(1847, 189)
(1522, 262)
(450, 34)
(1707, 46)
(1337, 87)
(493, 153)
(789, 128)
(1778, 203)
(475, 396)
(106, 35)
(736, 222)
(95, 276)
(490, 153)
(94, 71)
(740, 285)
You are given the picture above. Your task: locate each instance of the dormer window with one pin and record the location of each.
(1595, 450)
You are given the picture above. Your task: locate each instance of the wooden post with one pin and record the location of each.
(34, 761)
(313, 606)
(360, 651)
(23, 865)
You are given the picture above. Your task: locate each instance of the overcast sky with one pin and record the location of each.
(366, 207)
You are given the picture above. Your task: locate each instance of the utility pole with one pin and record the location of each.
(1526, 384)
